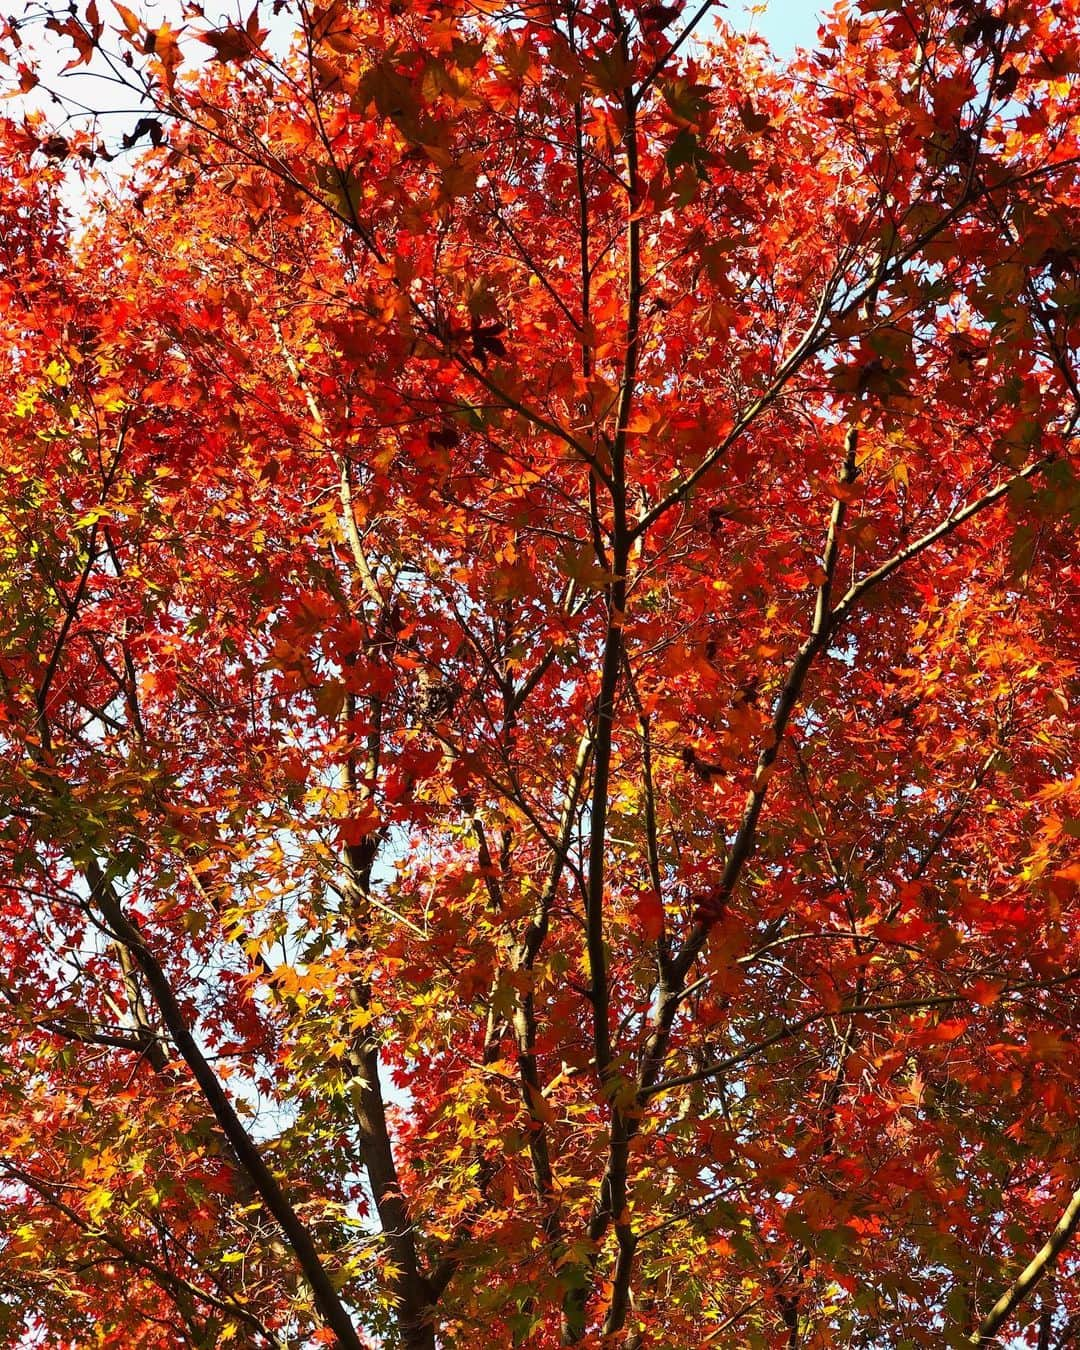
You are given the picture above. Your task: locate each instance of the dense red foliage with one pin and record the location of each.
(537, 773)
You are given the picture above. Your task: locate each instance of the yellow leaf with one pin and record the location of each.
(581, 566)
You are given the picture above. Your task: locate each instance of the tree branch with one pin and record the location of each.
(1030, 1276)
(247, 1154)
(167, 1279)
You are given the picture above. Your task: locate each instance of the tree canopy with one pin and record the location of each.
(538, 775)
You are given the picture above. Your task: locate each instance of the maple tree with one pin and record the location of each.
(538, 777)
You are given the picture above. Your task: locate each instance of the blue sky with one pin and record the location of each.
(786, 24)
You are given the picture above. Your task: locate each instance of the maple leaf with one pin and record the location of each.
(540, 800)
(649, 912)
(235, 44)
(81, 35)
(485, 340)
(658, 17)
(145, 126)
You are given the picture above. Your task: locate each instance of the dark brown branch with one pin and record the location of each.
(407, 1284)
(244, 1148)
(791, 1029)
(854, 594)
(611, 1207)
